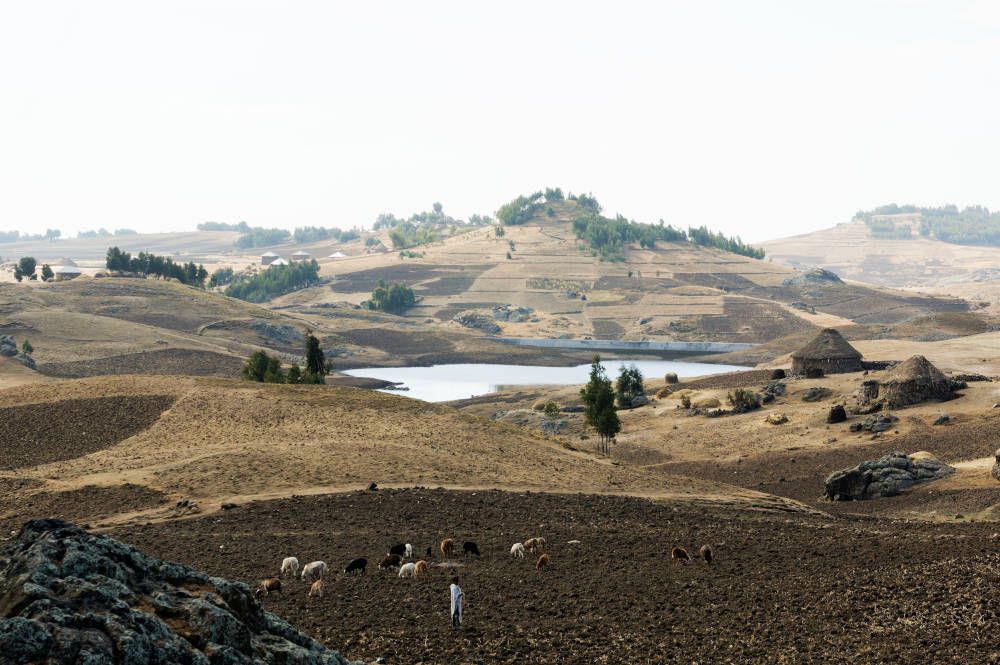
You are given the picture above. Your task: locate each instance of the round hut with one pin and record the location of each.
(913, 381)
(828, 353)
(267, 258)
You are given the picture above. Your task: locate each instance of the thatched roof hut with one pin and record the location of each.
(828, 352)
(913, 381)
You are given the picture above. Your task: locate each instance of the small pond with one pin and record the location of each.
(440, 383)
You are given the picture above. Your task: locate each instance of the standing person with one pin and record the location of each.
(457, 600)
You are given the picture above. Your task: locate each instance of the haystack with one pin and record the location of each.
(828, 352)
(915, 380)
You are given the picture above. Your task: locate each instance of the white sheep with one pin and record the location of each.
(313, 571)
(408, 570)
(289, 565)
(409, 551)
(517, 549)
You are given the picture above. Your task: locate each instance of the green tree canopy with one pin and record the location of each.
(599, 405)
(629, 386)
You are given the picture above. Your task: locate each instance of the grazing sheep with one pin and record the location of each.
(408, 570)
(469, 547)
(358, 564)
(679, 554)
(316, 589)
(398, 549)
(542, 562)
(447, 547)
(420, 568)
(409, 551)
(267, 586)
(535, 544)
(706, 553)
(390, 561)
(289, 565)
(313, 571)
(517, 549)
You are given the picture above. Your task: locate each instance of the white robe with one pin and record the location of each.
(456, 600)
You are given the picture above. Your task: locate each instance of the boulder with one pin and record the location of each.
(74, 597)
(943, 419)
(776, 419)
(886, 476)
(815, 394)
(670, 377)
(996, 464)
(512, 313)
(837, 414)
(778, 374)
(639, 400)
(876, 422)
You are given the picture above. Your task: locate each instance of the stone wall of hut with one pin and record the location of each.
(827, 365)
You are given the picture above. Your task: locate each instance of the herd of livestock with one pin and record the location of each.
(398, 554)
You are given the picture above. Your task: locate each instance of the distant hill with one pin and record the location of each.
(662, 291)
(892, 252)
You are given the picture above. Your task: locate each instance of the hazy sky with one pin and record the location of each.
(758, 118)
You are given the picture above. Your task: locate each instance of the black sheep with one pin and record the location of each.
(469, 547)
(357, 564)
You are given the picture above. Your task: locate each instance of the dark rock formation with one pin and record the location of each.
(67, 596)
(777, 375)
(815, 394)
(996, 464)
(837, 414)
(8, 347)
(478, 322)
(887, 476)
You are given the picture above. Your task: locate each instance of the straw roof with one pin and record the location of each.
(828, 344)
(917, 370)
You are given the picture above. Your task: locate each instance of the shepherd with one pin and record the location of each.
(457, 600)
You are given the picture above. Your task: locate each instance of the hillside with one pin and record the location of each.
(673, 291)
(853, 252)
(151, 441)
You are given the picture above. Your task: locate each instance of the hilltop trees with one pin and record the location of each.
(25, 268)
(160, 266)
(599, 405)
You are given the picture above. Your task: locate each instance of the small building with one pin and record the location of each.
(828, 353)
(267, 258)
(301, 256)
(63, 273)
(278, 262)
(914, 381)
(337, 255)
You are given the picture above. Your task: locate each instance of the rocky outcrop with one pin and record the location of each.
(512, 313)
(996, 464)
(838, 414)
(875, 423)
(8, 348)
(887, 476)
(67, 596)
(478, 321)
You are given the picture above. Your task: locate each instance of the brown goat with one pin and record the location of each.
(534, 544)
(390, 561)
(542, 562)
(706, 553)
(316, 589)
(421, 568)
(680, 554)
(267, 586)
(447, 547)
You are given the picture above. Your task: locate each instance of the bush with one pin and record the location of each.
(599, 405)
(686, 401)
(275, 281)
(25, 268)
(27, 348)
(551, 409)
(47, 273)
(742, 400)
(221, 277)
(263, 368)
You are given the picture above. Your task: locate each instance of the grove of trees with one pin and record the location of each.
(260, 237)
(160, 266)
(275, 281)
(393, 298)
(265, 368)
(629, 386)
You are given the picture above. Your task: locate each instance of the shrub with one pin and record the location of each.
(263, 368)
(221, 277)
(743, 400)
(27, 348)
(25, 268)
(686, 401)
(47, 273)
(551, 410)
(629, 386)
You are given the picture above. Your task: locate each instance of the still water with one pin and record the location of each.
(440, 383)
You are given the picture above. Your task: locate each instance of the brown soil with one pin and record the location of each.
(82, 505)
(781, 589)
(171, 362)
(34, 434)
